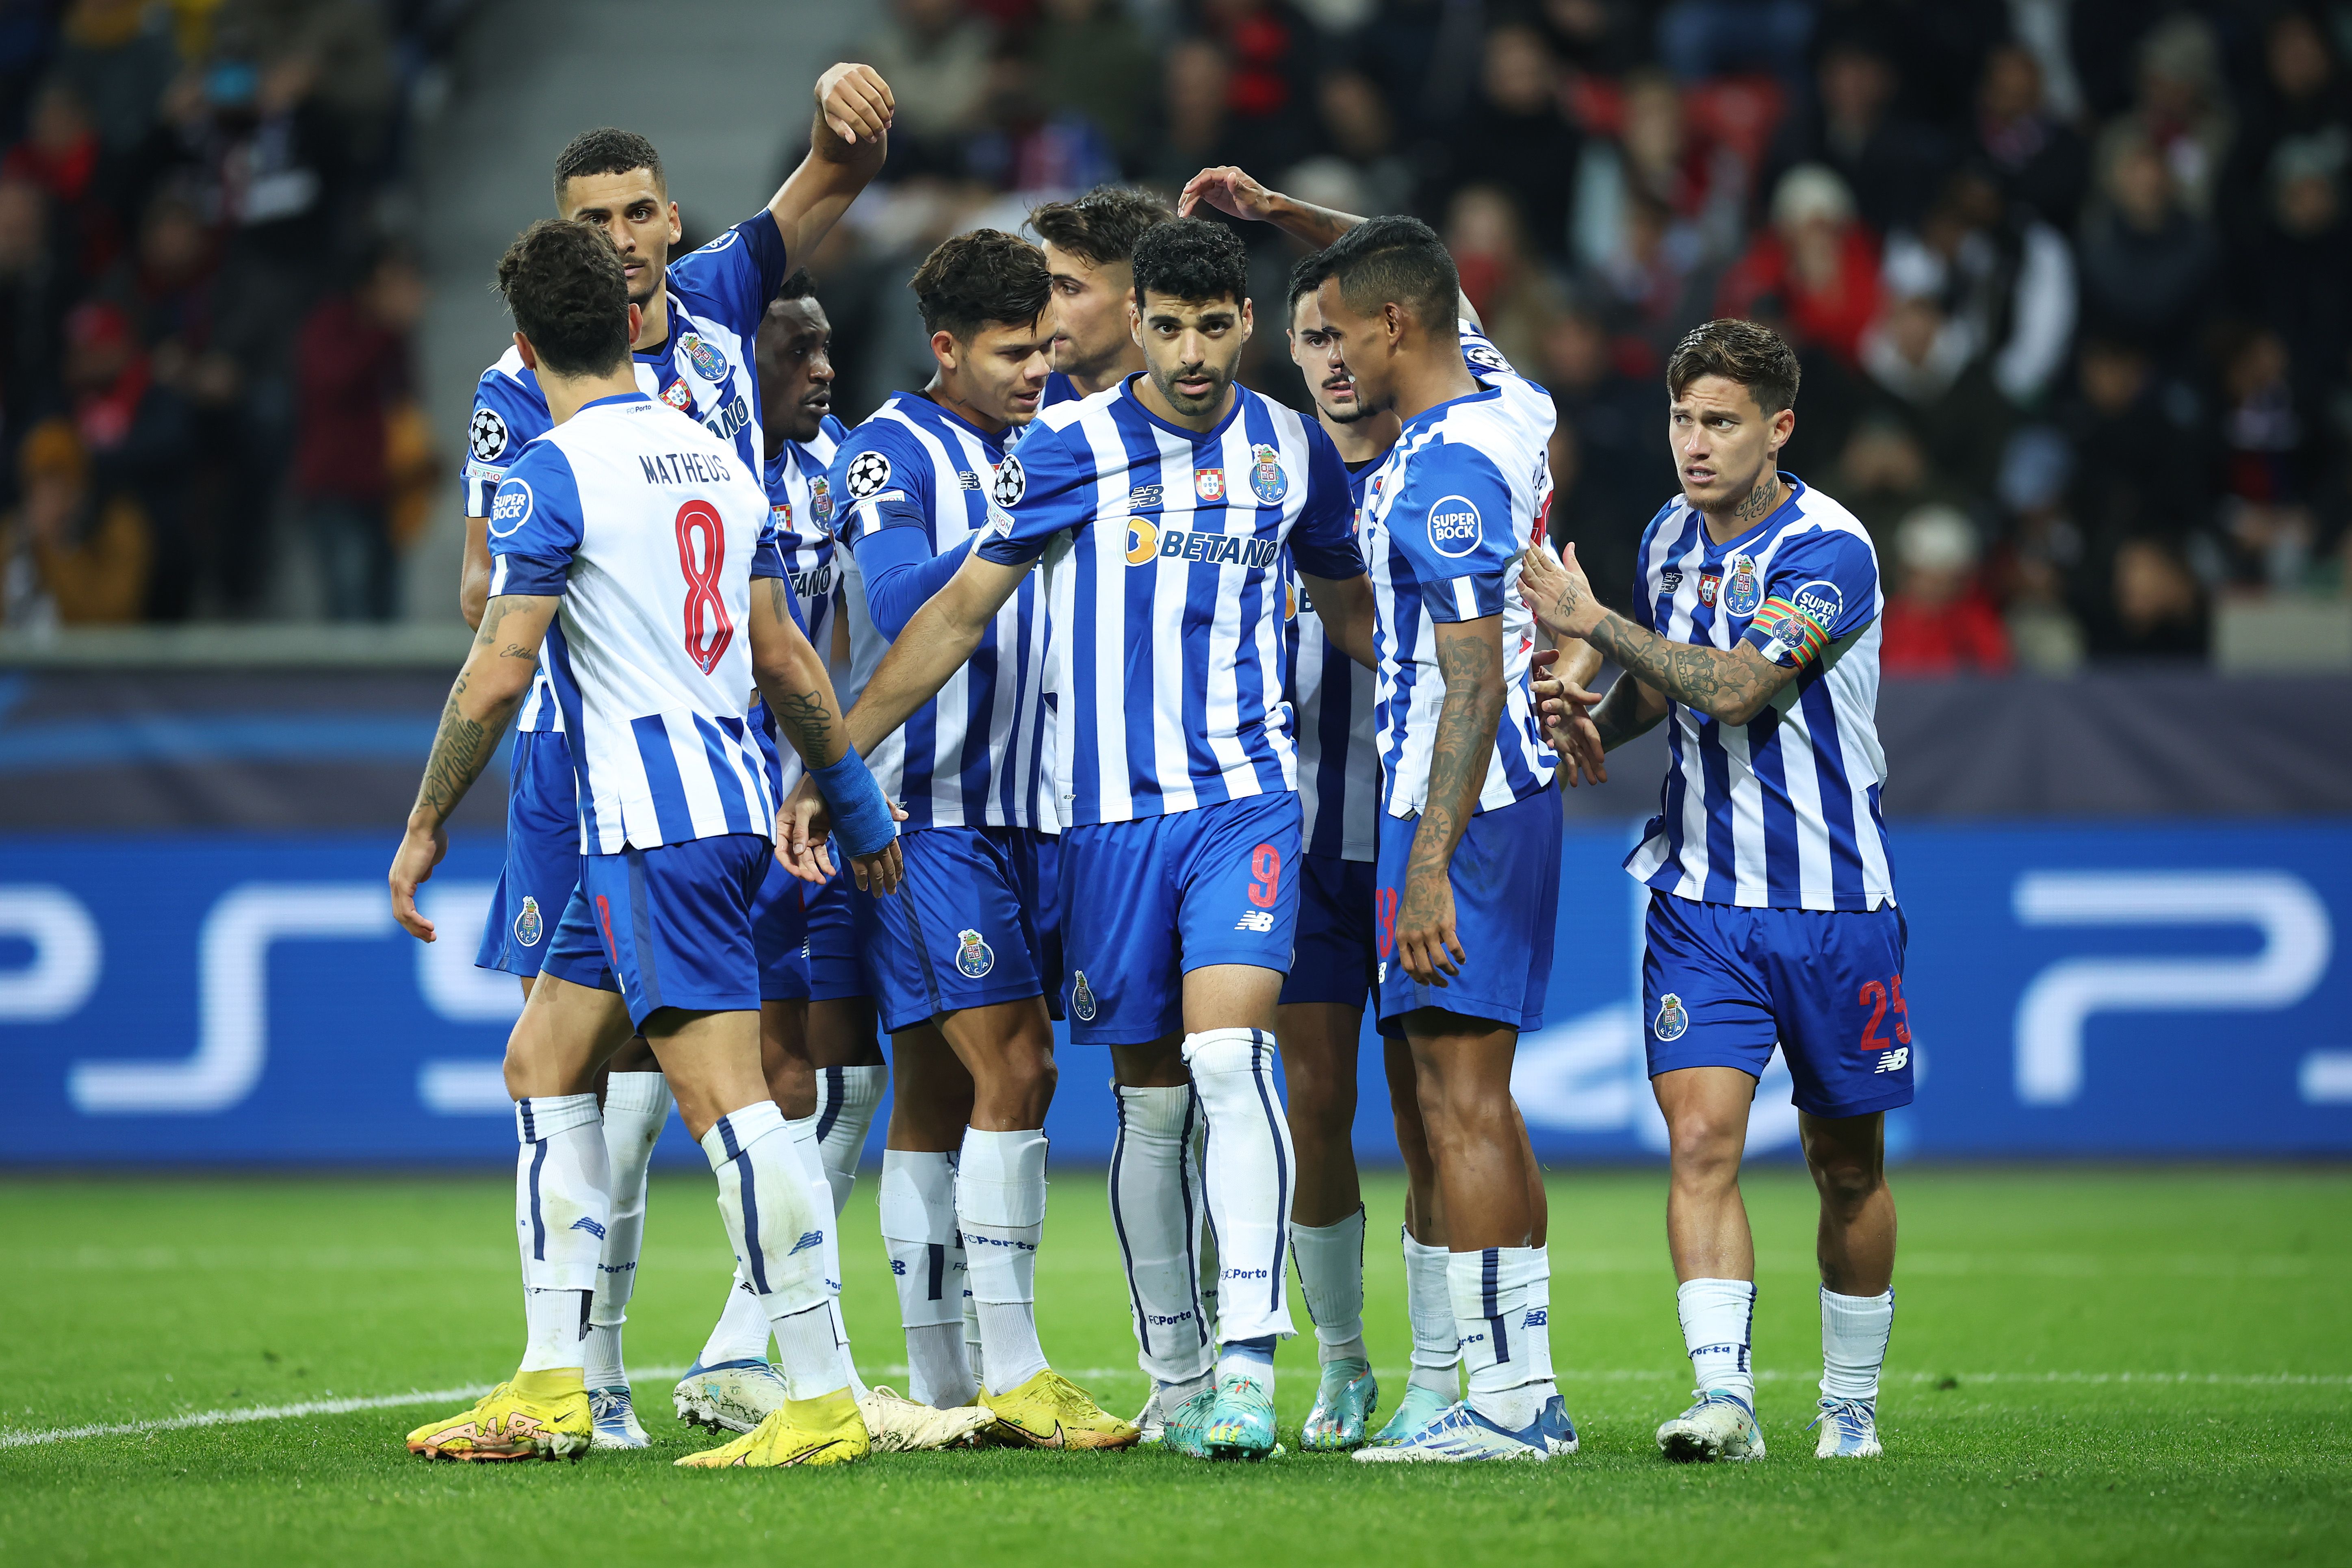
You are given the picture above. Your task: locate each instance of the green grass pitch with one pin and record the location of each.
(2089, 1366)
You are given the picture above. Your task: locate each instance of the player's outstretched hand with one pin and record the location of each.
(419, 852)
(1567, 713)
(855, 102)
(1556, 590)
(1426, 944)
(880, 872)
(1229, 190)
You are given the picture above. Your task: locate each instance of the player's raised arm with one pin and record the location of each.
(497, 673)
(1236, 193)
(848, 139)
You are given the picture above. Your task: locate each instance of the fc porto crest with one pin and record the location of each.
(1673, 1020)
(708, 362)
(1267, 481)
(1744, 592)
(974, 958)
(529, 926)
(1208, 484)
(679, 396)
(1082, 1000)
(820, 500)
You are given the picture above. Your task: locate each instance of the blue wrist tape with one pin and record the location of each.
(862, 823)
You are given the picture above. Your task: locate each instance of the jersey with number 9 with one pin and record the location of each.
(650, 530)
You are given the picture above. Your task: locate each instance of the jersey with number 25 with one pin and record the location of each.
(647, 525)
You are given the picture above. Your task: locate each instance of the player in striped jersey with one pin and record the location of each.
(1469, 831)
(1161, 509)
(627, 540)
(1772, 914)
(1089, 245)
(960, 965)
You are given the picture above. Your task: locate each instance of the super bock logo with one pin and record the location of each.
(1744, 592)
(1267, 481)
(528, 927)
(1673, 1019)
(1082, 1000)
(974, 957)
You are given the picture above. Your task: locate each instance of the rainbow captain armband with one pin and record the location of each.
(1793, 631)
(861, 817)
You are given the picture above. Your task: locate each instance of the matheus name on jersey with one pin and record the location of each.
(1164, 551)
(647, 527)
(1782, 812)
(1467, 485)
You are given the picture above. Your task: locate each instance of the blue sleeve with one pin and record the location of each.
(508, 416)
(901, 573)
(1821, 586)
(881, 478)
(1044, 487)
(1452, 523)
(1323, 541)
(534, 523)
(732, 279)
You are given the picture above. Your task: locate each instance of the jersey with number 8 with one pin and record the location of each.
(651, 530)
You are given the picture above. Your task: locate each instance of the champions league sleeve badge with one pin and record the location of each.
(486, 436)
(974, 958)
(1744, 592)
(1267, 481)
(1010, 484)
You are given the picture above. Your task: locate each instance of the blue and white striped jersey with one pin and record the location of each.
(1331, 703)
(1164, 560)
(647, 525)
(716, 296)
(799, 514)
(972, 756)
(1466, 485)
(1782, 812)
(1059, 388)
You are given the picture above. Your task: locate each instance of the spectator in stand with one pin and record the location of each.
(61, 154)
(2041, 165)
(2152, 607)
(1883, 475)
(352, 367)
(1995, 267)
(1196, 132)
(1361, 129)
(2267, 528)
(934, 54)
(119, 55)
(36, 284)
(1699, 38)
(1270, 52)
(1424, 56)
(1928, 373)
(1610, 471)
(1703, 191)
(2138, 467)
(2149, 264)
(1516, 137)
(1025, 145)
(1890, 163)
(134, 433)
(2302, 96)
(1651, 289)
(2292, 269)
(1091, 60)
(1513, 296)
(1939, 620)
(1816, 259)
(68, 554)
(2180, 111)
(1604, 37)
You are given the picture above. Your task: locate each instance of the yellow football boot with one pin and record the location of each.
(1049, 1411)
(826, 1431)
(538, 1415)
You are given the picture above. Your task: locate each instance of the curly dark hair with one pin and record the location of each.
(607, 149)
(1102, 226)
(799, 286)
(1398, 260)
(1192, 258)
(1758, 358)
(983, 277)
(564, 284)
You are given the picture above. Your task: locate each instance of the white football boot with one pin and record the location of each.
(732, 1396)
(1461, 1436)
(615, 1418)
(1719, 1426)
(899, 1426)
(1849, 1429)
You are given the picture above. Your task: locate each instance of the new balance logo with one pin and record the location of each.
(1895, 1060)
(1259, 920)
(898, 1267)
(590, 1226)
(1536, 1318)
(808, 1238)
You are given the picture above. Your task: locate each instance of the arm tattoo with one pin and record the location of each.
(1473, 669)
(1618, 715)
(1714, 682)
(462, 748)
(809, 719)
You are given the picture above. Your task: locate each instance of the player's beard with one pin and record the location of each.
(1186, 403)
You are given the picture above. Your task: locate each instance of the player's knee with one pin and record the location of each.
(1846, 1180)
(1705, 1146)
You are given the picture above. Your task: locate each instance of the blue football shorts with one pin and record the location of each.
(957, 932)
(835, 967)
(780, 934)
(668, 926)
(1146, 902)
(1720, 984)
(1506, 876)
(1334, 959)
(542, 864)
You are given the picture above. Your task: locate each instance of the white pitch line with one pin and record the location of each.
(245, 1413)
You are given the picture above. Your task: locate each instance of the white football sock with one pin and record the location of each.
(1001, 1209)
(1155, 1211)
(846, 1101)
(1330, 1259)
(928, 1265)
(1429, 1303)
(812, 1159)
(1854, 1331)
(1196, 1188)
(741, 1332)
(1717, 1315)
(560, 1209)
(1502, 1301)
(636, 1104)
(1248, 1173)
(778, 1234)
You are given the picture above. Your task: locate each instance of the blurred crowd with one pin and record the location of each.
(204, 344)
(2069, 277)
